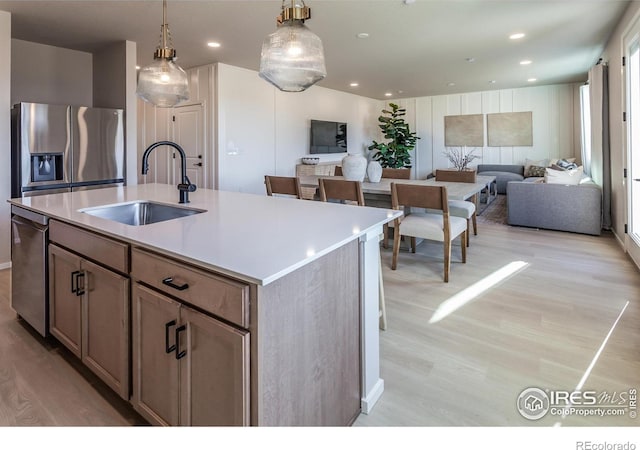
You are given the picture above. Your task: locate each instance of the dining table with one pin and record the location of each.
(379, 194)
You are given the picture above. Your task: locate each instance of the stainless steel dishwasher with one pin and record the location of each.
(29, 267)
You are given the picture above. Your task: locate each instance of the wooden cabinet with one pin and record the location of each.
(188, 367)
(326, 169)
(89, 309)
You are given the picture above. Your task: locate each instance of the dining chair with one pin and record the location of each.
(331, 189)
(438, 227)
(461, 208)
(351, 191)
(283, 185)
(397, 174)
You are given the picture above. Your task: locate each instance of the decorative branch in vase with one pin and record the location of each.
(459, 157)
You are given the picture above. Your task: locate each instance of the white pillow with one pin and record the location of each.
(571, 176)
(529, 162)
(555, 160)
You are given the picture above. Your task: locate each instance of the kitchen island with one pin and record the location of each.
(294, 283)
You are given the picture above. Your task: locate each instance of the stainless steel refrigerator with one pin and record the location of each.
(61, 148)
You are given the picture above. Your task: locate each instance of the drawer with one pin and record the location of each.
(107, 251)
(216, 294)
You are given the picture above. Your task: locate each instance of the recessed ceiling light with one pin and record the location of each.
(525, 62)
(409, 2)
(517, 36)
(354, 85)
(451, 84)
(531, 80)
(213, 44)
(492, 81)
(470, 59)
(362, 35)
(388, 94)
(137, 67)
(400, 92)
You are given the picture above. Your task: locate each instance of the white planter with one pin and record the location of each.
(354, 167)
(374, 171)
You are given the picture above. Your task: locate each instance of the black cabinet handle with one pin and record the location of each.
(168, 325)
(183, 353)
(74, 282)
(75, 276)
(80, 290)
(169, 282)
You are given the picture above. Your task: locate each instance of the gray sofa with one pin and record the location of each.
(555, 206)
(503, 173)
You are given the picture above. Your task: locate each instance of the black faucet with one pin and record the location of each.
(185, 185)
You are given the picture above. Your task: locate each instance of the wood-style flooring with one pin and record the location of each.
(541, 326)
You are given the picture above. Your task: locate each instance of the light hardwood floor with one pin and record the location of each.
(541, 327)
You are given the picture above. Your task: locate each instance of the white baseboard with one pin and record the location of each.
(5, 265)
(371, 398)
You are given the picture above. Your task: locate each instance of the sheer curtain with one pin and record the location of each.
(585, 121)
(600, 150)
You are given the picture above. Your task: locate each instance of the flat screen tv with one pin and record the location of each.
(328, 137)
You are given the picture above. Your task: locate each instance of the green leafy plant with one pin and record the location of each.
(394, 153)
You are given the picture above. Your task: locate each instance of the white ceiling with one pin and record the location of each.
(412, 50)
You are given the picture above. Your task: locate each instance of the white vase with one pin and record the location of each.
(374, 171)
(354, 167)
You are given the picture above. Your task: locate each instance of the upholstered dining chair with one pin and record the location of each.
(397, 174)
(283, 185)
(351, 191)
(461, 208)
(438, 227)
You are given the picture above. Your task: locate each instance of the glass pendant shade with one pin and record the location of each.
(163, 83)
(292, 58)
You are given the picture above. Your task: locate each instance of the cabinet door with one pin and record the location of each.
(155, 371)
(105, 335)
(65, 305)
(214, 372)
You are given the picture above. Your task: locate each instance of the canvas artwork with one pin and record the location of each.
(464, 131)
(510, 129)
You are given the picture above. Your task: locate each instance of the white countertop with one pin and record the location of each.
(250, 237)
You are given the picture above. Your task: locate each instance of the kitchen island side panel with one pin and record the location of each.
(305, 368)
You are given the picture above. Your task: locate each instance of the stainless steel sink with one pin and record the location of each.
(141, 213)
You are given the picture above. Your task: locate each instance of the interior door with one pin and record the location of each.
(188, 133)
(632, 51)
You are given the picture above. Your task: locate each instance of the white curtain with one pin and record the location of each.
(600, 151)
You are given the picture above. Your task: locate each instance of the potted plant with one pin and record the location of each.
(394, 153)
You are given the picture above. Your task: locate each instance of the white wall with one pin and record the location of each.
(613, 57)
(555, 124)
(46, 74)
(5, 139)
(262, 131)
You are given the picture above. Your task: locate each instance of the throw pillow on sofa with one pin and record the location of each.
(528, 163)
(571, 176)
(536, 171)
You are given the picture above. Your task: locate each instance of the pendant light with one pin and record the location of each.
(292, 57)
(163, 83)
